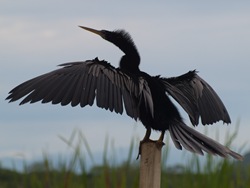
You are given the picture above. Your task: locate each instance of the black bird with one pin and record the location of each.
(143, 97)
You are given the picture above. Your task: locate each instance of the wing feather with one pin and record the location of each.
(81, 83)
(83, 101)
(197, 98)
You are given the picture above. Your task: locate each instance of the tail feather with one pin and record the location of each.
(185, 141)
(190, 139)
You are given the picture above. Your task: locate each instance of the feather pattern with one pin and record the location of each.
(80, 83)
(197, 98)
(190, 139)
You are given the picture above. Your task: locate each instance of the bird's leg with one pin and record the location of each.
(147, 135)
(160, 142)
(145, 139)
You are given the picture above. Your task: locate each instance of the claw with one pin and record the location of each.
(145, 139)
(159, 142)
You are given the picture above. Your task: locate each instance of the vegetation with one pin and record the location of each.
(215, 173)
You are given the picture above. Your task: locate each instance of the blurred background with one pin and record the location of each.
(172, 38)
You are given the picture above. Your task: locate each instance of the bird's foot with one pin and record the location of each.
(159, 143)
(141, 142)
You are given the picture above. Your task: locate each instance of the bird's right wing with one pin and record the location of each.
(197, 98)
(83, 82)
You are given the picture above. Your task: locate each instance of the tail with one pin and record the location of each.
(190, 139)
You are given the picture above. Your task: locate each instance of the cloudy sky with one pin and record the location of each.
(172, 38)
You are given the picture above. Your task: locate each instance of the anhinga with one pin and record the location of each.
(144, 97)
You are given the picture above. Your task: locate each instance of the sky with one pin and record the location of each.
(172, 38)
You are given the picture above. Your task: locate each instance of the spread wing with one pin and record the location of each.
(80, 83)
(197, 98)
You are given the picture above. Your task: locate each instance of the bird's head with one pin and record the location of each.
(122, 40)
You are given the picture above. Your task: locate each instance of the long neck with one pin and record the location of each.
(130, 64)
(131, 60)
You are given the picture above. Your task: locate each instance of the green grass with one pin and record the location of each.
(214, 173)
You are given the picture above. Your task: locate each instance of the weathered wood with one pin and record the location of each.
(150, 165)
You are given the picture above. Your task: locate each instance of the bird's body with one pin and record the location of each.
(143, 97)
(165, 112)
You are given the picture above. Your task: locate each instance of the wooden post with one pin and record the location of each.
(150, 165)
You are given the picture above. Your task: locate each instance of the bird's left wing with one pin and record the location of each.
(80, 83)
(197, 98)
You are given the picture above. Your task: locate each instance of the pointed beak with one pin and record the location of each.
(100, 33)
